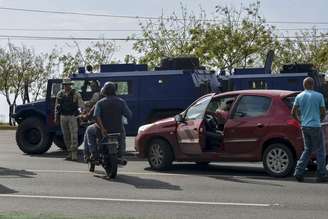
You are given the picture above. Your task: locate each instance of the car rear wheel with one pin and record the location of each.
(32, 136)
(160, 156)
(278, 160)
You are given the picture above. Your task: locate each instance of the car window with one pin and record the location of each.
(220, 104)
(290, 101)
(252, 106)
(197, 110)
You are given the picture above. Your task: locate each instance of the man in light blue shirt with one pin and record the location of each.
(309, 110)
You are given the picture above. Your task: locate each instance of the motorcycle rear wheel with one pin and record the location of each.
(110, 166)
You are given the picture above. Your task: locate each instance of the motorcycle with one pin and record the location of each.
(107, 155)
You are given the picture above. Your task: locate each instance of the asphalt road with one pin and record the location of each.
(47, 184)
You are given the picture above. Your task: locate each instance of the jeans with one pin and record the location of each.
(93, 134)
(313, 142)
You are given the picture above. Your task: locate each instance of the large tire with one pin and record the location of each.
(278, 160)
(160, 155)
(110, 165)
(32, 136)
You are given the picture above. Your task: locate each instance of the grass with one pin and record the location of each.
(18, 215)
(6, 126)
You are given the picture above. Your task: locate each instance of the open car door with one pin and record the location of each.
(190, 130)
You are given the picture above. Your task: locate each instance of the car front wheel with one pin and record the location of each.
(278, 160)
(160, 156)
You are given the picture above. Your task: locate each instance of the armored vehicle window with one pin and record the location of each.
(123, 87)
(78, 85)
(55, 88)
(257, 84)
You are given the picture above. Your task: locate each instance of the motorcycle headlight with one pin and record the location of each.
(143, 128)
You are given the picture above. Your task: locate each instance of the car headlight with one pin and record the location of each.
(143, 128)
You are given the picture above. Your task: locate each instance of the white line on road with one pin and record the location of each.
(139, 200)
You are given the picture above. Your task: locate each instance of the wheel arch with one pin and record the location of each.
(155, 137)
(29, 114)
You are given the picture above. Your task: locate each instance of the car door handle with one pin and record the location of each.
(259, 125)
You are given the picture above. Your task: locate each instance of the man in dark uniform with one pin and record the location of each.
(68, 102)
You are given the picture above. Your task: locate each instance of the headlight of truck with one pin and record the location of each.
(143, 128)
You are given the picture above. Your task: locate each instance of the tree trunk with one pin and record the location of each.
(11, 110)
(26, 94)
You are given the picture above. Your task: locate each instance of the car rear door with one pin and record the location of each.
(247, 125)
(190, 132)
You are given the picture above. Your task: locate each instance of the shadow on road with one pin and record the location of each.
(11, 173)
(232, 173)
(142, 183)
(6, 190)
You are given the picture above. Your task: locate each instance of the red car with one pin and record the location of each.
(247, 125)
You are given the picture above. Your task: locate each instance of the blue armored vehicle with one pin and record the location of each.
(290, 77)
(151, 95)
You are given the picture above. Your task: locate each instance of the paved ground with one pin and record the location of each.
(48, 184)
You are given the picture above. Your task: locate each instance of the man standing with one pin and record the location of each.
(309, 109)
(67, 106)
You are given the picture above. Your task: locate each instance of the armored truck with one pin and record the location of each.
(151, 95)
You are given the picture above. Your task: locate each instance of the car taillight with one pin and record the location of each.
(294, 122)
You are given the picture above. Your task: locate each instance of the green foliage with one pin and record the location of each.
(167, 37)
(236, 41)
(100, 52)
(307, 47)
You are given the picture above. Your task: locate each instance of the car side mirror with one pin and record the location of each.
(179, 118)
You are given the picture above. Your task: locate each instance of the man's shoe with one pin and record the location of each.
(322, 179)
(299, 178)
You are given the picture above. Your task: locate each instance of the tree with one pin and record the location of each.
(12, 77)
(167, 37)
(237, 40)
(100, 52)
(306, 47)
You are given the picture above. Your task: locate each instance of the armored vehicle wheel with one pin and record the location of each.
(160, 155)
(59, 142)
(32, 136)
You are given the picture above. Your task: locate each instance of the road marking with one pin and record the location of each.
(139, 200)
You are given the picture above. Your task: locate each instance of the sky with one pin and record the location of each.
(272, 10)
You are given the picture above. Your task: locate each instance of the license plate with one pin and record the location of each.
(112, 148)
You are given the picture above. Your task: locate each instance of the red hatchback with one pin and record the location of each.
(247, 125)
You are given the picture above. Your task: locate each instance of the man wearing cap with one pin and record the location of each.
(68, 102)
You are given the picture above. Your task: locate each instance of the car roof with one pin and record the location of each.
(279, 93)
